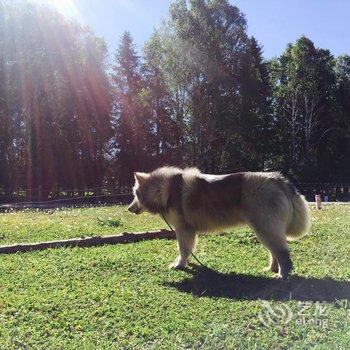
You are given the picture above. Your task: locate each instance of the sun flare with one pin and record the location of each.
(66, 7)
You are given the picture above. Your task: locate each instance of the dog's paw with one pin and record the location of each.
(282, 277)
(270, 269)
(177, 265)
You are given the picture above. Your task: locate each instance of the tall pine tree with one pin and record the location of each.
(131, 123)
(167, 137)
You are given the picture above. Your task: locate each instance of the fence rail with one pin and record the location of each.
(41, 195)
(330, 192)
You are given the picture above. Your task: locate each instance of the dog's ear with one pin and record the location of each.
(141, 177)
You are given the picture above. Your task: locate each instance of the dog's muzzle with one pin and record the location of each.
(134, 208)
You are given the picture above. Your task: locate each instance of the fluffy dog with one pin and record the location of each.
(193, 203)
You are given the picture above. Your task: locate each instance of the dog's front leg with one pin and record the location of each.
(186, 239)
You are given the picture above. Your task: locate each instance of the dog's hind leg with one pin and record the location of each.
(284, 262)
(272, 236)
(186, 239)
(273, 266)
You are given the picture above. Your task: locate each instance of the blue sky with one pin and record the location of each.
(273, 22)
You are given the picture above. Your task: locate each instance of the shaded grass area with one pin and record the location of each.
(124, 297)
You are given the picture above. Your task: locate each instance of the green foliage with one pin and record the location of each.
(130, 126)
(339, 139)
(124, 297)
(304, 94)
(205, 42)
(55, 101)
(201, 94)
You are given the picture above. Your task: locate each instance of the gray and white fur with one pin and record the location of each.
(194, 203)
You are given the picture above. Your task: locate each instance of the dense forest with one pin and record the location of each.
(75, 116)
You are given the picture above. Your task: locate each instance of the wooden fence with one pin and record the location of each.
(330, 192)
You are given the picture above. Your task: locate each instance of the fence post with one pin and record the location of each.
(318, 201)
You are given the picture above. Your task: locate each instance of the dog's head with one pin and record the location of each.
(151, 191)
(137, 206)
(148, 194)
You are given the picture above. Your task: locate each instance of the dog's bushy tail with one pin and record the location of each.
(300, 223)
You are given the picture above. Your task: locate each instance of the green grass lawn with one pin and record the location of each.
(124, 297)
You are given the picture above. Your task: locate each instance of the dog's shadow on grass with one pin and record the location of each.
(209, 283)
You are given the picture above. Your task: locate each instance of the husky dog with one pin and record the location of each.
(193, 203)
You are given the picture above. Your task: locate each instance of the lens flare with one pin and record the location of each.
(66, 7)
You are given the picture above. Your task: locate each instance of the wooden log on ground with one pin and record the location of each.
(94, 241)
